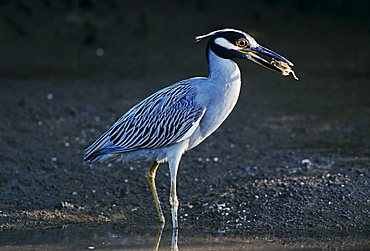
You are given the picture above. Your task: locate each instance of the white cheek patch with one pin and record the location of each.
(223, 42)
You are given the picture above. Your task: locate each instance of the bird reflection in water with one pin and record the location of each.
(157, 241)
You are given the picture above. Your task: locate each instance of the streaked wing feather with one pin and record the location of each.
(160, 120)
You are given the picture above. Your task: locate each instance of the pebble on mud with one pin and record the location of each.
(49, 96)
(306, 162)
(99, 52)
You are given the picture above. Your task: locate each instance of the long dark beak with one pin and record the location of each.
(276, 62)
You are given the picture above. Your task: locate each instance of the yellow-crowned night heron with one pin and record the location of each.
(177, 118)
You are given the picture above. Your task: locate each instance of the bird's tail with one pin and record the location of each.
(95, 152)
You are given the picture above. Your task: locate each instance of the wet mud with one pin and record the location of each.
(292, 160)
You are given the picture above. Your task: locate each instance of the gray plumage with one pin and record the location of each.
(158, 121)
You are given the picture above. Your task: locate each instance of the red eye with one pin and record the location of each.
(242, 42)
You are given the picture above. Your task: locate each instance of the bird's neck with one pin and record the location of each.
(221, 68)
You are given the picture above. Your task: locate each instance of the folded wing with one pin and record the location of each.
(164, 118)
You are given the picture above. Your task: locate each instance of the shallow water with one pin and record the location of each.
(133, 237)
(292, 160)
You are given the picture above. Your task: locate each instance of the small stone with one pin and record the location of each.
(220, 206)
(215, 159)
(49, 96)
(99, 52)
(306, 162)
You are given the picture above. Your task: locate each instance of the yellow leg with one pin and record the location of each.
(158, 239)
(150, 175)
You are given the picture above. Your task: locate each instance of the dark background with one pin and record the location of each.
(41, 38)
(69, 69)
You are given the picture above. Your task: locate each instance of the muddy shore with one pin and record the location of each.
(293, 159)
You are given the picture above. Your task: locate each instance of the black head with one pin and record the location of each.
(233, 44)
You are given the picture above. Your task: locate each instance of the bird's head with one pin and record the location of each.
(231, 44)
